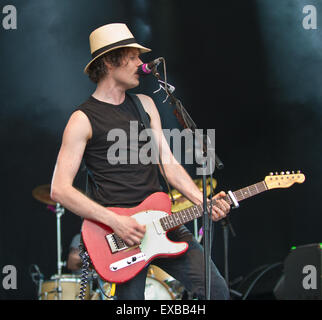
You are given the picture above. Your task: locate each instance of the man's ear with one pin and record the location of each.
(108, 65)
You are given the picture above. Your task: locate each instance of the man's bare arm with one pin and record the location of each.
(76, 134)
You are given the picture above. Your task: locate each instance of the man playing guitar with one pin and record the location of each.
(114, 65)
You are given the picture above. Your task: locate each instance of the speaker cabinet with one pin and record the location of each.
(302, 274)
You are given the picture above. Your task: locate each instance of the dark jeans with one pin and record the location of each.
(187, 268)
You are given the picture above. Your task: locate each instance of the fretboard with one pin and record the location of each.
(181, 217)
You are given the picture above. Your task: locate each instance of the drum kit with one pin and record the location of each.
(159, 284)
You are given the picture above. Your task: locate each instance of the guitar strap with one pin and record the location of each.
(146, 121)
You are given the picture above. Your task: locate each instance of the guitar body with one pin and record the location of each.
(123, 265)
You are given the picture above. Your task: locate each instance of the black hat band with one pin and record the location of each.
(113, 45)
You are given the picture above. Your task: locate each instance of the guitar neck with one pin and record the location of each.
(181, 217)
(248, 192)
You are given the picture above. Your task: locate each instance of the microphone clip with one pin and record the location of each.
(167, 87)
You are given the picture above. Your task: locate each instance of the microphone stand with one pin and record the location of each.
(185, 119)
(207, 222)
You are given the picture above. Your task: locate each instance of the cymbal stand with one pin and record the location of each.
(225, 223)
(59, 212)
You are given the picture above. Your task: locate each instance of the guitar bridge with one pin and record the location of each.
(116, 243)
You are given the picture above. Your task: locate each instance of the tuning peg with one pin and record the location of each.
(287, 172)
(298, 171)
(282, 172)
(271, 173)
(276, 173)
(293, 172)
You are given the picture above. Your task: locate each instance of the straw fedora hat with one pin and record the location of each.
(110, 37)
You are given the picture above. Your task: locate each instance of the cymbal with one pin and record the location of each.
(182, 203)
(42, 194)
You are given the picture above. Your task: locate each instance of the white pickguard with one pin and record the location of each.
(155, 241)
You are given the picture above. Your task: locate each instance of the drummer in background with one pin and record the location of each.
(74, 263)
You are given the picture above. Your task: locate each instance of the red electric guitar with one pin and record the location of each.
(115, 262)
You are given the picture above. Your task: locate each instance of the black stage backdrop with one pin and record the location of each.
(249, 69)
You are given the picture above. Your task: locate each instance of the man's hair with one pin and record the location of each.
(97, 70)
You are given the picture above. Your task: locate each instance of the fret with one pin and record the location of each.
(184, 216)
(259, 187)
(256, 188)
(187, 215)
(253, 189)
(193, 212)
(228, 200)
(243, 193)
(249, 192)
(263, 186)
(172, 224)
(191, 217)
(178, 218)
(169, 222)
(239, 195)
(163, 224)
(199, 210)
(174, 221)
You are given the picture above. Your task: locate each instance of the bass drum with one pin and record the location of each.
(161, 286)
(156, 289)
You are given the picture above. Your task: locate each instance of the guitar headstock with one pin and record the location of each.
(283, 179)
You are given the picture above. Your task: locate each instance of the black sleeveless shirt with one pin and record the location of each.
(113, 180)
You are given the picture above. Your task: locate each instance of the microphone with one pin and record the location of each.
(146, 68)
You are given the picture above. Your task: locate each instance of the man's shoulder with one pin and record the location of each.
(85, 103)
(143, 97)
(146, 101)
(85, 109)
